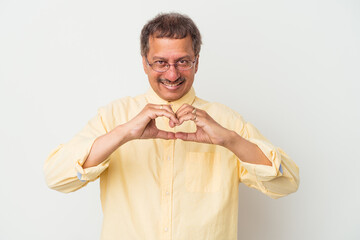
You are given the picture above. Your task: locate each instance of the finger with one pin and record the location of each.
(165, 106)
(165, 135)
(188, 117)
(186, 136)
(184, 106)
(168, 107)
(184, 109)
(155, 113)
(172, 124)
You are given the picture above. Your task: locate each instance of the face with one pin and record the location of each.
(172, 84)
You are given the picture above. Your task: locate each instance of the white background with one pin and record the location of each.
(289, 67)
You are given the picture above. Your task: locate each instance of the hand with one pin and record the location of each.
(208, 130)
(142, 126)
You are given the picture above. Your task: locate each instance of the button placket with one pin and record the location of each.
(166, 189)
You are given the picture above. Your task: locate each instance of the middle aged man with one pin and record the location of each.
(169, 162)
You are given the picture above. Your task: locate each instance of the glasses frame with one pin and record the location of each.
(168, 65)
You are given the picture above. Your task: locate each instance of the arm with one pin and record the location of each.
(62, 166)
(261, 165)
(245, 150)
(141, 127)
(278, 180)
(209, 131)
(105, 145)
(72, 165)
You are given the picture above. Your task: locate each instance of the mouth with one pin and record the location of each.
(172, 85)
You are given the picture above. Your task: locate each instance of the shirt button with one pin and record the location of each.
(168, 158)
(167, 193)
(166, 229)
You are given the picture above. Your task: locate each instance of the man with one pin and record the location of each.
(169, 162)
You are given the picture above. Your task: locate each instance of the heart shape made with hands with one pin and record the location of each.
(183, 117)
(207, 129)
(143, 125)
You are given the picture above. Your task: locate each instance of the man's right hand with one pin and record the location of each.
(143, 126)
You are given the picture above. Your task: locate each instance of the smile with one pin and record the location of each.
(172, 85)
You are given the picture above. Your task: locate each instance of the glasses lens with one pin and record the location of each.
(184, 64)
(160, 66)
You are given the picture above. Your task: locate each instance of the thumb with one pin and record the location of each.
(186, 136)
(165, 135)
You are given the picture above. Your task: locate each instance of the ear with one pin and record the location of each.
(145, 66)
(197, 63)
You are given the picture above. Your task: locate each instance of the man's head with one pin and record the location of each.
(174, 39)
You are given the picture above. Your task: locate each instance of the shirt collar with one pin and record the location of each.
(188, 98)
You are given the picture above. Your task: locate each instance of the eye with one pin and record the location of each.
(160, 63)
(183, 62)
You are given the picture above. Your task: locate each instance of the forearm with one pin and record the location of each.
(245, 150)
(106, 145)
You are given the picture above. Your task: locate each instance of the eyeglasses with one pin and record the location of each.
(163, 66)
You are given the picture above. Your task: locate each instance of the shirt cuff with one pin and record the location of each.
(79, 175)
(264, 172)
(91, 173)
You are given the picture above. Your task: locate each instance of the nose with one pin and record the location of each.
(172, 74)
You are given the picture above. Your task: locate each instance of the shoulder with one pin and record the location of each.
(221, 113)
(216, 108)
(125, 102)
(122, 109)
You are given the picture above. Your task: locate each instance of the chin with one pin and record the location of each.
(170, 97)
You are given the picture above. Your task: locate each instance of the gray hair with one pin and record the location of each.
(170, 25)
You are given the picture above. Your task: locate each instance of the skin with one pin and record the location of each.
(142, 126)
(170, 50)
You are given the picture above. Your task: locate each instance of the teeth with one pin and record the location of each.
(172, 85)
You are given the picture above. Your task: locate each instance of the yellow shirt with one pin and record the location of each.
(169, 189)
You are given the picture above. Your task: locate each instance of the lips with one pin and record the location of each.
(172, 85)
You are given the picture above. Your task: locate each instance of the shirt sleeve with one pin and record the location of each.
(280, 179)
(63, 167)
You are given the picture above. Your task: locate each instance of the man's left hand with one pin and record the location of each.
(208, 130)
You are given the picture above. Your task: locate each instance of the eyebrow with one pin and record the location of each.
(162, 58)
